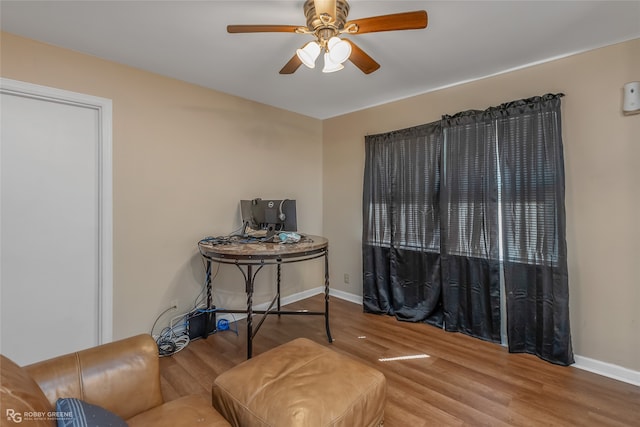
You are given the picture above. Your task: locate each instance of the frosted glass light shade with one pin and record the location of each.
(308, 54)
(330, 66)
(339, 50)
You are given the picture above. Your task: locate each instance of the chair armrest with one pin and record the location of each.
(122, 377)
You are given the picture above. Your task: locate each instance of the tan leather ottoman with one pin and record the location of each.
(301, 383)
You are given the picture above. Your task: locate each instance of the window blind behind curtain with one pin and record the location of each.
(449, 205)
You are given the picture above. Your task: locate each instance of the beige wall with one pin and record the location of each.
(183, 157)
(602, 160)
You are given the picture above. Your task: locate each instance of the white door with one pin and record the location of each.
(53, 290)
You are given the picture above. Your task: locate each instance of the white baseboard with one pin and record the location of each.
(356, 299)
(608, 370)
(592, 365)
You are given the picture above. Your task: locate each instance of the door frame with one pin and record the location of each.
(103, 108)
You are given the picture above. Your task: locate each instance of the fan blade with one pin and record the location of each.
(262, 28)
(361, 60)
(397, 21)
(325, 6)
(291, 66)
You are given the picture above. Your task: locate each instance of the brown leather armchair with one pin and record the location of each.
(122, 377)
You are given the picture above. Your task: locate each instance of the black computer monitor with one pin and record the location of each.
(269, 215)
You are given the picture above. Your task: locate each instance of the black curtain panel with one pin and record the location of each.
(533, 218)
(401, 224)
(455, 208)
(469, 215)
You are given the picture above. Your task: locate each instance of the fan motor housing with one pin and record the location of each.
(315, 22)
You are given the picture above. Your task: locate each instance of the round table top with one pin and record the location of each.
(238, 250)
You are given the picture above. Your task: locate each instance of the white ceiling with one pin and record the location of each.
(187, 40)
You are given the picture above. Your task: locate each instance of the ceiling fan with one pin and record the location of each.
(327, 20)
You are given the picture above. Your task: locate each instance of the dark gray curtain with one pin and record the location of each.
(469, 212)
(450, 205)
(533, 224)
(401, 233)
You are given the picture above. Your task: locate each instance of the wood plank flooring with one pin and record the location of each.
(463, 382)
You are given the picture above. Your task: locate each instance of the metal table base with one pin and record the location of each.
(250, 263)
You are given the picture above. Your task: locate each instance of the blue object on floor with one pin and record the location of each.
(223, 324)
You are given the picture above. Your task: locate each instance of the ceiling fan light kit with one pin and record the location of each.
(326, 20)
(336, 52)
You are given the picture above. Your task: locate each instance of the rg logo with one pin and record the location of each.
(14, 416)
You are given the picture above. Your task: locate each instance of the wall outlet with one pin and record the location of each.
(346, 278)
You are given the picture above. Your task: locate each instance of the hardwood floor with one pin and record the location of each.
(463, 381)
